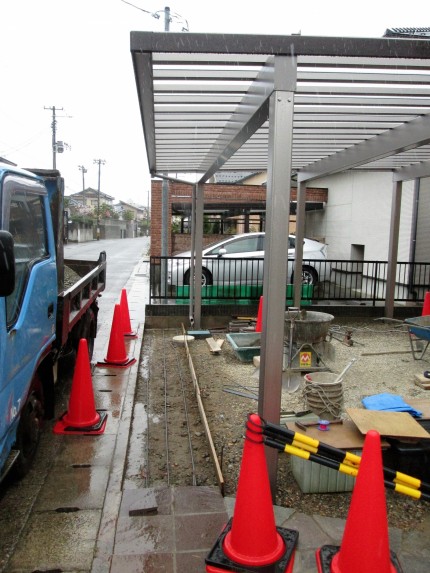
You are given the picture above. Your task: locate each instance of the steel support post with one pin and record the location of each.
(197, 279)
(276, 249)
(393, 248)
(300, 234)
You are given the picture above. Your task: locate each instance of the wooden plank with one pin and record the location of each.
(202, 411)
(396, 424)
(386, 352)
(421, 404)
(213, 345)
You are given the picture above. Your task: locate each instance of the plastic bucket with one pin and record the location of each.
(323, 394)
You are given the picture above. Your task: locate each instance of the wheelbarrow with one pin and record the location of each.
(419, 335)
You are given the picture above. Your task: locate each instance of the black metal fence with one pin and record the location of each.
(241, 281)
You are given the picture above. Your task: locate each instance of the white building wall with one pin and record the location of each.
(358, 213)
(422, 253)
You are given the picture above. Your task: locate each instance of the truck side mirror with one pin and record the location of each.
(7, 264)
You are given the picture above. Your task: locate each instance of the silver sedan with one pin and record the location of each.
(239, 260)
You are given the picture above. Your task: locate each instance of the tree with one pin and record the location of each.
(128, 215)
(106, 212)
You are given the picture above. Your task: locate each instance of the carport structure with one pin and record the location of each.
(309, 106)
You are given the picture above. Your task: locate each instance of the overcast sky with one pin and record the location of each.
(75, 55)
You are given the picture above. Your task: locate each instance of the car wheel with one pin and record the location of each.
(206, 278)
(309, 276)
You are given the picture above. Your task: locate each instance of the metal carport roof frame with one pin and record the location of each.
(309, 106)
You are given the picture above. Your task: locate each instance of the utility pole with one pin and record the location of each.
(168, 16)
(82, 168)
(166, 19)
(99, 162)
(54, 134)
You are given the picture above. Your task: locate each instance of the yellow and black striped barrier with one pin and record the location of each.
(308, 448)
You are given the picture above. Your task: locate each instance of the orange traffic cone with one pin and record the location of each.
(126, 316)
(365, 543)
(251, 538)
(117, 355)
(82, 416)
(426, 305)
(259, 322)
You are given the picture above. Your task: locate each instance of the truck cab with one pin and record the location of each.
(40, 321)
(28, 313)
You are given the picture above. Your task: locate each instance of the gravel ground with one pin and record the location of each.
(383, 363)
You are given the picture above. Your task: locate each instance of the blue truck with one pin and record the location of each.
(43, 315)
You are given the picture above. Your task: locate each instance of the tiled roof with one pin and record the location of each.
(407, 32)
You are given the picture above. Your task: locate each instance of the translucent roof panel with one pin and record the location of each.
(204, 101)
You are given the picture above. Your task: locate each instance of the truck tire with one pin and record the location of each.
(86, 328)
(29, 429)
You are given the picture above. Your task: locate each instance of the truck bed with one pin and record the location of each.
(76, 300)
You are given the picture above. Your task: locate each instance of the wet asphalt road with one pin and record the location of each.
(122, 257)
(36, 512)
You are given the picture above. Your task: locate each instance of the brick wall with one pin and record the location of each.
(181, 192)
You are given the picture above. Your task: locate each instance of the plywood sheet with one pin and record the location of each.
(396, 424)
(421, 404)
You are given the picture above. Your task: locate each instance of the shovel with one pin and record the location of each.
(347, 367)
(291, 380)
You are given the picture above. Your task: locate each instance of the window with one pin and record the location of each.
(243, 246)
(27, 226)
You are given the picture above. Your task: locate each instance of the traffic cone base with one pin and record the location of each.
(326, 560)
(62, 427)
(218, 562)
(130, 334)
(109, 364)
(82, 416)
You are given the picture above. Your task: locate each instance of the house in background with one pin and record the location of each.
(90, 197)
(138, 213)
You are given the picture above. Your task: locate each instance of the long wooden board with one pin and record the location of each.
(202, 411)
(396, 424)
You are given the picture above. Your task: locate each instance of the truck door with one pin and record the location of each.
(30, 310)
